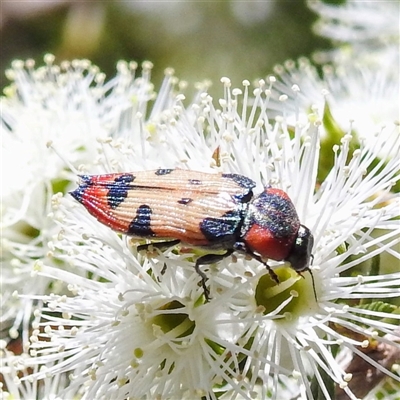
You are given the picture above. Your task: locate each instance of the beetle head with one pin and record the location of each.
(300, 254)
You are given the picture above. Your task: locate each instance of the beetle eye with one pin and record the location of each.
(300, 255)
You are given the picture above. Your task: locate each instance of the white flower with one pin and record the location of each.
(358, 21)
(73, 109)
(347, 97)
(14, 367)
(362, 31)
(132, 328)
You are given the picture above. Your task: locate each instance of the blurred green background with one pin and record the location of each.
(200, 40)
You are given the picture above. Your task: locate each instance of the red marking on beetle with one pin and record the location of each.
(263, 242)
(278, 192)
(94, 198)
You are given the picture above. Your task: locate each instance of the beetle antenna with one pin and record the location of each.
(313, 284)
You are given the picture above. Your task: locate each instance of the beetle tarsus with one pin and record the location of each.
(271, 272)
(158, 245)
(164, 269)
(203, 280)
(242, 248)
(207, 260)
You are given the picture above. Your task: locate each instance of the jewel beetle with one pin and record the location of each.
(216, 211)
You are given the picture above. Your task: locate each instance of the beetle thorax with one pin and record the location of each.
(271, 225)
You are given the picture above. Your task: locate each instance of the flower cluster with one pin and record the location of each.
(68, 105)
(98, 318)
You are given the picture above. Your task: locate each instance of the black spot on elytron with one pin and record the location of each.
(140, 225)
(77, 194)
(86, 179)
(185, 200)
(243, 197)
(224, 230)
(125, 178)
(163, 171)
(85, 182)
(276, 214)
(118, 191)
(241, 180)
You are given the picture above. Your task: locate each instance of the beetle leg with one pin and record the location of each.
(161, 246)
(206, 260)
(158, 245)
(271, 272)
(164, 268)
(241, 247)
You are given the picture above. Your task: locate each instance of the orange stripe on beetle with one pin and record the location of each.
(215, 211)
